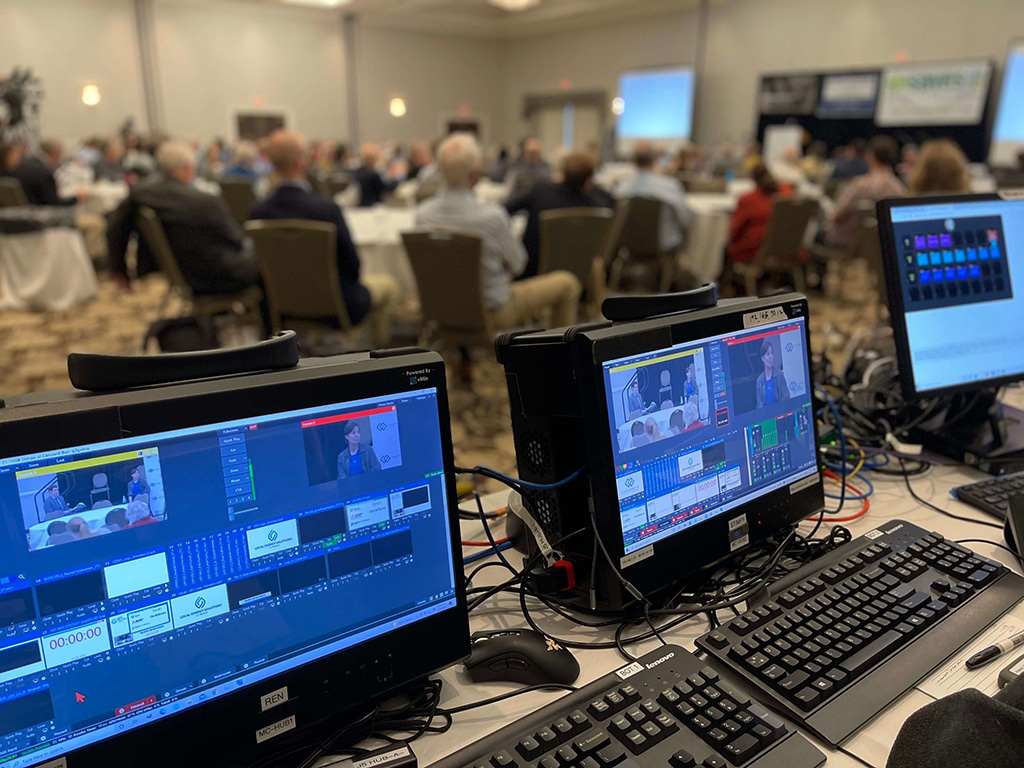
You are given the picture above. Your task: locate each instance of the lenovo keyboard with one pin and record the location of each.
(846, 636)
(668, 709)
(992, 495)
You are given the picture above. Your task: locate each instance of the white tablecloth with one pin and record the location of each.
(708, 233)
(101, 196)
(48, 270)
(96, 518)
(377, 233)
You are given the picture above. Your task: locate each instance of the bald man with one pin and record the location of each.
(530, 168)
(372, 186)
(368, 297)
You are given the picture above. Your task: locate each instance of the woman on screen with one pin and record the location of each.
(138, 485)
(771, 384)
(690, 388)
(355, 459)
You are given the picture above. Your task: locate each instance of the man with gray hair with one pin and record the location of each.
(205, 239)
(456, 209)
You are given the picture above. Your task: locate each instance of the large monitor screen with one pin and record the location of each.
(705, 426)
(145, 576)
(961, 270)
(934, 93)
(1008, 131)
(657, 104)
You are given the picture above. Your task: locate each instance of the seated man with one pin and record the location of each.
(242, 162)
(675, 214)
(116, 520)
(54, 504)
(880, 181)
(370, 297)
(35, 172)
(110, 167)
(205, 238)
(372, 186)
(530, 168)
(576, 190)
(455, 209)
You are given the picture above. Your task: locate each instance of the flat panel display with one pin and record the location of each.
(656, 104)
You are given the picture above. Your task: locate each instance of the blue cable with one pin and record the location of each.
(842, 447)
(486, 553)
(860, 479)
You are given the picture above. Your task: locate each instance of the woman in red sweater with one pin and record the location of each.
(750, 219)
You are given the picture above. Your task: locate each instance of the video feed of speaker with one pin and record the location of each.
(345, 446)
(767, 368)
(78, 500)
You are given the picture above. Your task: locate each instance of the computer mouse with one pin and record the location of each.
(520, 656)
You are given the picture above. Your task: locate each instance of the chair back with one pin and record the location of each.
(99, 481)
(299, 264)
(868, 247)
(716, 185)
(153, 233)
(450, 281)
(428, 187)
(336, 184)
(641, 228)
(572, 238)
(12, 194)
(240, 195)
(784, 240)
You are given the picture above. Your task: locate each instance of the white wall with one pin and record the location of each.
(435, 74)
(216, 56)
(68, 43)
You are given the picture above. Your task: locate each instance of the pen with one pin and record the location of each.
(986, 655)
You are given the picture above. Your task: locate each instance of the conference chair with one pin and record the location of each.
(12, 195)
(576, 240)
(336, 184)
(782, 250)
(239, 194)
(708, 185)
(100, 487)
(637, 247)
(299, 263)
(837, 260)
(242, 304)
(428, 187)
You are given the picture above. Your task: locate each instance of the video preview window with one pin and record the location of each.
(79, 500)
(767, 368)
(346, 446)
(660, 398)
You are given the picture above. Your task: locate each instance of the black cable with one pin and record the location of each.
(941, 511)
(506, 696)
(490, 536)
(1018, 558)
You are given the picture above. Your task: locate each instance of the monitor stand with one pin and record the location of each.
(978, 430)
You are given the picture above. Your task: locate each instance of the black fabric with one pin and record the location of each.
(967, 730)
(372, 186)
(107, 171)
(292, 202)
(549, 196)
(37, 180)
(204, 237)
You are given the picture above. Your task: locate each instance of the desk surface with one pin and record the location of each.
(890, 500)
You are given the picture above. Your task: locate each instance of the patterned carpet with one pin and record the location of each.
(34, 348)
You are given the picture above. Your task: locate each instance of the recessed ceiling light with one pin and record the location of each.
(618, 105)
(90, 95)
(397, 107)
(514, 5)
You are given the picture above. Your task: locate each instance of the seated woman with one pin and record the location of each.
(771, 386)
(750, 220)
(639, 437)
(940, 167)
(355, 459)
(138, 485)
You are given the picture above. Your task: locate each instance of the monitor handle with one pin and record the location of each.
(105, 373)
(622, 308)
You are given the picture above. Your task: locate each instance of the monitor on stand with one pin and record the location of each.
(201, 572)
(954, 273)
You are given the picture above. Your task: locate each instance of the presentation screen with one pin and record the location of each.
(936, 93)
(850, 95)
(1008, 133)
(657, 104)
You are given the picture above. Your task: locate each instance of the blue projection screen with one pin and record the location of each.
(657, 104)
(1008, 131)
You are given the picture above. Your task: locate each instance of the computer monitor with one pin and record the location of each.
(697, 431)
(656, 105)
(1008, 129)
(954, 274)
(203, 568)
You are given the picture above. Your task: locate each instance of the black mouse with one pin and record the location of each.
(521, 656)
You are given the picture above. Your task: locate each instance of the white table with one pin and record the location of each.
(45, 270)
(95, 518)
(101, 197)
(708, 233)
(377, 234)
(890, 501)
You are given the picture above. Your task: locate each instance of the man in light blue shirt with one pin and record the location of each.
(675, 214)
(456, 209)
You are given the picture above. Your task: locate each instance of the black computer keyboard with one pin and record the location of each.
(668, 709)
(838, 642)
(993, 495)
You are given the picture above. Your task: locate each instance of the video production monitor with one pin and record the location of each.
(697, 430)
(209, 566)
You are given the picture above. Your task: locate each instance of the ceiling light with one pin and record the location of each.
(319, 3)
(618, 105)
(90, 95)
(397, 107)
(514, 5)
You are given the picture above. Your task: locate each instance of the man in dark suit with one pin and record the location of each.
(576, 190)
(205, 238)
(35, 172)
(369, 297)
(54, 505)
(372, 186)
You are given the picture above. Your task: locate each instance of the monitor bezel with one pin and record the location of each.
(894, 292)
(224, 727)
(765, 515)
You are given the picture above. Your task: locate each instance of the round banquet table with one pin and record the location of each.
(44, 264)
(708, 233)
(377, 234)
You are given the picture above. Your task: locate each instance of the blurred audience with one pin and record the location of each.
(940, 166)
(751, 159)
(35, 172)
(369, 297)
(11, 154)
(880, 181)
(814, 164)
(110, 166)
(498, 169)
(421, 160)
(372, 185)
(575, 190)
(675, 214)
(205, 239)
(243, 162)
(850, 162)
(530, 168)
(753, 213)
(456, 209)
